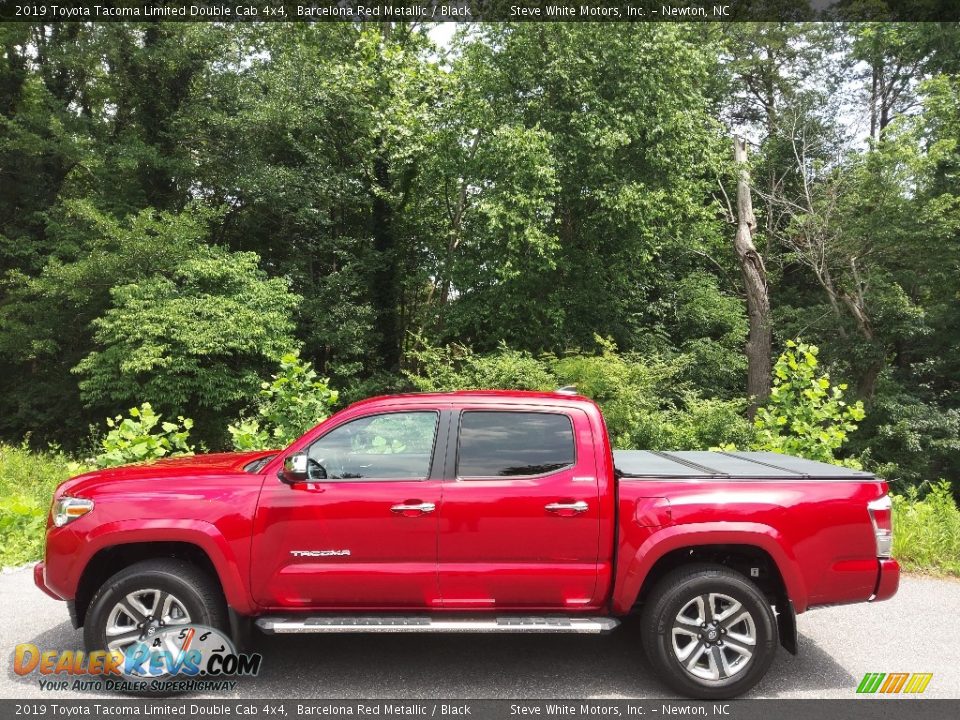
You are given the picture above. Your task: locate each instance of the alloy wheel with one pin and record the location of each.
(714, 637)
(140, 615)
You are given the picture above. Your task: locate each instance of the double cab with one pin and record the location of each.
(483, 511)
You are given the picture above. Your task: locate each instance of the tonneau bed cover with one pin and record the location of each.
(724, 465)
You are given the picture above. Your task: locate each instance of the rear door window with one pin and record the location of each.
(513, 444)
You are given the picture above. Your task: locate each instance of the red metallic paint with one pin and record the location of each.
(818, 533)
(888, 580)
(393, 560)
(185, 500)
(393, 557)
(39, 579)
(499, 548)
(489, 544)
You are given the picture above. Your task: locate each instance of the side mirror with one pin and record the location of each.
(294, 468)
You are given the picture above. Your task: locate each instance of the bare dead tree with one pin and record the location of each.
(754, 275)
(817, 238)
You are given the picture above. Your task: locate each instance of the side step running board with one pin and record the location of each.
(425, 623)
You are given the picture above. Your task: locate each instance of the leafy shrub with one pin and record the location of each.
(354, 389)
(27, 482)
(909, 439)
(701, 423)
(457, 367)
(146, 307)
(626, 388)
(805, 415)
(294, 401)
(138, 438)
(714, 367)
(643, 400)
(646, 405)
(22, 525)
(926, 532)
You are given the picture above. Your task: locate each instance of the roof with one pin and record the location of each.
(489, 395)
(708, 464)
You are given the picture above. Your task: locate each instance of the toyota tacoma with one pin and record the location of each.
(481, 511)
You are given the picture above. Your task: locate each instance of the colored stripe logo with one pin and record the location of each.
(891, 683)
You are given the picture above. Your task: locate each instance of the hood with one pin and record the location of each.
(186, 466)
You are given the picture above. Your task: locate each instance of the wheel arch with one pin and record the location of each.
(745, 547)
(117, 548)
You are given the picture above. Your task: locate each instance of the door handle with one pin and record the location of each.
(575, 507)
(421, 508)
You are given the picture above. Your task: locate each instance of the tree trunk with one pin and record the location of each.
(385, 290)
(867, 384)
(857, 305)
(755, 283)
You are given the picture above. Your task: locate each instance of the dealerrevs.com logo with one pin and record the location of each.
(183, 658)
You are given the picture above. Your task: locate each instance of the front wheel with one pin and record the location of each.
(147, 600)
(709, 632)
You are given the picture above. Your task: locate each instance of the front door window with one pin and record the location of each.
(380, 447)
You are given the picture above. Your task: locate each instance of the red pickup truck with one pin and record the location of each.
(480, 512)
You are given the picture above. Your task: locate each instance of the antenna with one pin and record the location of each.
(566, 390)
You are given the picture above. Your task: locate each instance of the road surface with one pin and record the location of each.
(917, 631)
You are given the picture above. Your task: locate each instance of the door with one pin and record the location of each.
(362, 531)
(520, 521)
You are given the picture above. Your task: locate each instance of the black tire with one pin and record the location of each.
(193, 589)
(710, 671)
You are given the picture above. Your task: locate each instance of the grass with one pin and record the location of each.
(926, 533)
(27, 482)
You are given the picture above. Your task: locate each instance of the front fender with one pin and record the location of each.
(70, 553)
(635, 568)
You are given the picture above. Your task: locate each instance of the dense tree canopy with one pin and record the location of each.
(183, 204)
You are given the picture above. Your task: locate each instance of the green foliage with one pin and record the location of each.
(457, 367)
(644, 401)
(27, 482)
(909, 437)
(142, 437)
(147, 311)
(926, 532)
(181, 203)
(293, 401)
(195, 338)
(22, 525)
(806, 415)
(553, 206)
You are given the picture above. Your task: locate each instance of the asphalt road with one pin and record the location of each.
(917, 631)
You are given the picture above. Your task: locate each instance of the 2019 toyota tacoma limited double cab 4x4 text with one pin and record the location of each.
(480, 512)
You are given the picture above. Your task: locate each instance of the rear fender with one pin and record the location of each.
(630, 578)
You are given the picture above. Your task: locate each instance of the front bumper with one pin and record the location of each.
(888, 579)
(39, 579)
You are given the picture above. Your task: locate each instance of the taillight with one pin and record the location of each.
(881, 515)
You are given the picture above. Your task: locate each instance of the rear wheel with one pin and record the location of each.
(709, 632)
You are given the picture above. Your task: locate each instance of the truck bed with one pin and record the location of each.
(707, 465)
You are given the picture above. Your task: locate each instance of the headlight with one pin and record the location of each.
(67, 509)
